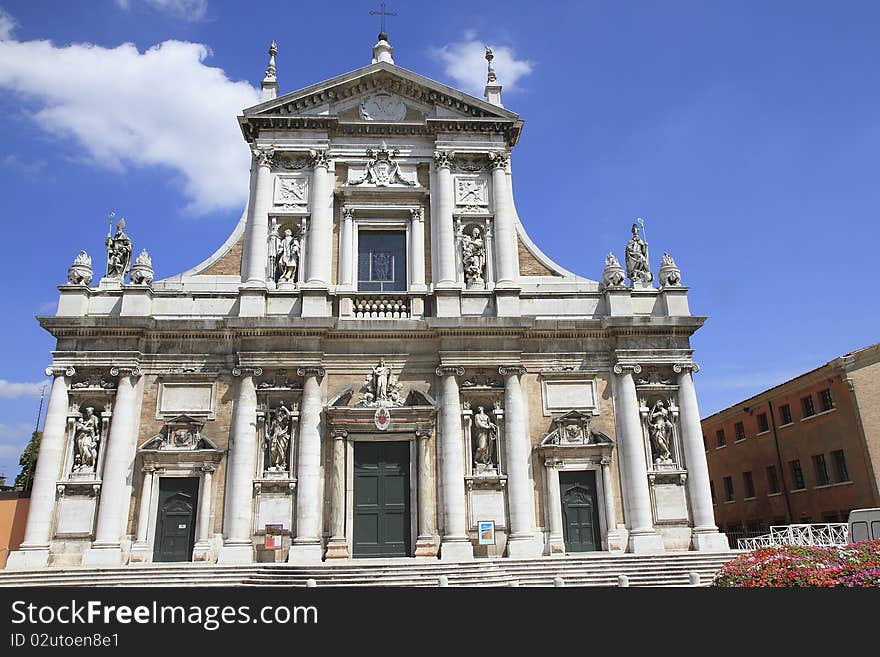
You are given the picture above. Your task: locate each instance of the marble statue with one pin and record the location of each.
(279, 438)
(485, 434)
(380, 387)
(274, 246)
(80, 272)
(660, 429)
(473, 255)
(637, 266)
(383, 169)
(118, 252)
(87, 434)
(670, 274)
(287, 258)
(142, 270)
(613, 274)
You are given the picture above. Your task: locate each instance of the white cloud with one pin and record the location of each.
(190, 10)
(7, 25)
(9, 389)
(159, 108)
(465, 62)
(31, 168)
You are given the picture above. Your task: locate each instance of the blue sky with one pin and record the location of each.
(745, 133)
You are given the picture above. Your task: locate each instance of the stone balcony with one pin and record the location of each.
(381, 305)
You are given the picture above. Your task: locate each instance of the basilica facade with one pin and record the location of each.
(378, 362)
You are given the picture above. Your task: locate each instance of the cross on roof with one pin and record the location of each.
(383, 14)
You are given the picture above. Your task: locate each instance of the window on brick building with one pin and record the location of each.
(821, 470)
(807, 406)
(830, 517)
(826, 400)
(840, 471)
(719, 437)
(785, 414)
(728, 489)
(740, 431)
(749, 484)
(772, 479)
(797, 474)
(712, 491)
(763, 424)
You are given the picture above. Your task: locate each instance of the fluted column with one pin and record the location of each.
(337, 548)
(506, 246)
(306, 546)
(417, 250)
(238, 503)
(705, 535)
(445, 229)
(118, 464)
(426, 544)
(520, 494)
(34, 551)
(631, 448)
(258, 221)
(455, 545)
(321, 225)
(346, 250)
(554, 507)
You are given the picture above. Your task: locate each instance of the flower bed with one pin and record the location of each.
(844, 565)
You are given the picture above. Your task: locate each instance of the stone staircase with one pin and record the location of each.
(596, 569)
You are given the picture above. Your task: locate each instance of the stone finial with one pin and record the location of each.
(270, 81)
(493, 87)
(613, 274)
(670, 274)
(382, 51)
(142, 270)
(80, 272)
(489, 57)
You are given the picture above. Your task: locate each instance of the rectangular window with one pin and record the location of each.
(797, 474)
(807, 406)
(382, 260)
(740, 431)
(826, 400)
(728, 489)
(785, 414)
(821, 470)
(749, 484)
(763, 424)
(712, 490)
(719, 436)
(840, 471)
(772, 479)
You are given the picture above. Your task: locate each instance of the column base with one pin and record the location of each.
(202, 552)
(426, 546)
(507, 302)
(523, 547)
(103, 555)
(305, 553)
(456, 550)
(616, 543)
(28, 558)
(447, 302)
(236, 553)
(251, 302)
(315, 302)
(337, 549)
(712, 541)
(140, 553)
(645, 543)
(555, 546)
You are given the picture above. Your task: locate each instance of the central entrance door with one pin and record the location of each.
(381, 499)
(176, 522)
(580, 513)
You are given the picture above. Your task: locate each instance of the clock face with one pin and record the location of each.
(383, 106)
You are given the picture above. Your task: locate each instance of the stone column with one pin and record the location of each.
(445, 231)
(614, 538)
(321, 226)
(455, 545)
(417, 250)
(506, 246)
(705, 535)
(258, 221)
(554, 507)
(202, 548)
(426, 544)
(34, 551)
(306, 546)
(121, 448)
(520, 494)
(346, 250)
(146, 495)
(337, 548)
(631, 447)
(238, 506)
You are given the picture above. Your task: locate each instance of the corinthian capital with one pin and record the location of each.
(678, 368)
(310, 370)
(620, 367)
(127, 370)
(263, 155)
(443, 159)
(347, 212)
(248, 371)
(320, 158)
(505, 370)
(417, 214)
(446, 370)
(499, 159)
(55, 370)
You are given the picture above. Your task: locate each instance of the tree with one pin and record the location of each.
(28, 463)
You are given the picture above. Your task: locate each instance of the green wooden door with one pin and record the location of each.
(381, 499)
(176, 522)
(580, 513)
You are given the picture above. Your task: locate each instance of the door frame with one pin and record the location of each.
(596, 468)
(598, 530)
(407, 437)
(195, 511)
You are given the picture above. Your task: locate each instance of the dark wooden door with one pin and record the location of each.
(176, 522)
(381, 499)
(580, 513)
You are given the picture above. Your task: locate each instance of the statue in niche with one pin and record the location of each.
(380, 388)
(287, 258)
(473, 256)
(87, 435)
(660, 429)
(118, 252)
(279, 438)
(637, 266)
(485, 435)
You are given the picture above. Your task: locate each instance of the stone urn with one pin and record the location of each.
(670, 274)
(80, 272)
(613, 275)
(142, 270)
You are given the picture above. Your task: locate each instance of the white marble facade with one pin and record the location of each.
(259, 374)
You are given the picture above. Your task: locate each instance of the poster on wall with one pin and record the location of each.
(486, 529)
(273, 536)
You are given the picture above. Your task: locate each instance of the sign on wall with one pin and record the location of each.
(273, 536)
(486, 529)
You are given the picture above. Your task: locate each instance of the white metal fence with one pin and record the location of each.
(823, 535)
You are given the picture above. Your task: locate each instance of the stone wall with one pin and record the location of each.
(229, 263)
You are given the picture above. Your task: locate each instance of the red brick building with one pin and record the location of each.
(805, 451)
